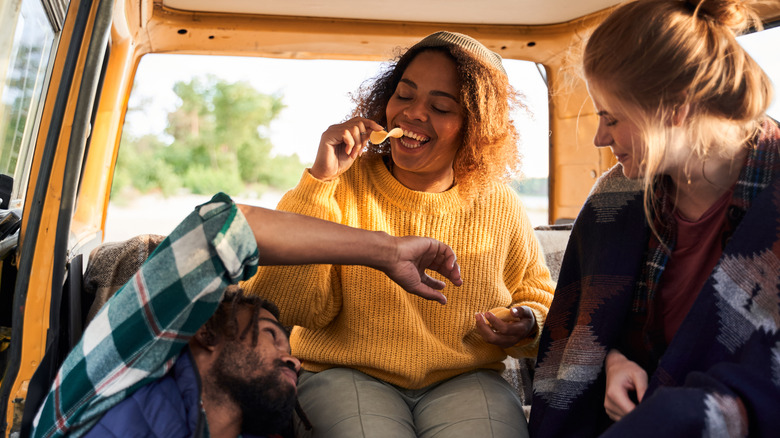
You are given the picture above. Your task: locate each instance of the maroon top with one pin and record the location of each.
(696, 252)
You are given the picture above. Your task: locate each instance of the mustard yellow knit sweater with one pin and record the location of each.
(353, 316)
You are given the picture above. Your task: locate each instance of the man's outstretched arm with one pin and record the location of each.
(287, 238)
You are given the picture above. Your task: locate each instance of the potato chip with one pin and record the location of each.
(503, 313)
(380, 136)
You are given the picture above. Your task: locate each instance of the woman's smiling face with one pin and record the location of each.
(426, 105)
(622, 136)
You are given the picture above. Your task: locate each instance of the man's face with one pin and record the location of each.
(261, 379)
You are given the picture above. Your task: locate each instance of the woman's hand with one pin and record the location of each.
(506, 334)
(340, 145)
(623, 377)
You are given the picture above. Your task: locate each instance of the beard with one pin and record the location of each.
(267, 401)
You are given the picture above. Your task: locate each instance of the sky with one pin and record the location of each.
(316, 94)
(762, 46)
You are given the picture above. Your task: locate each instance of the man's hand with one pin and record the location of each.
(414, 256)
(623, 377)
(292, 239)
(508, 333)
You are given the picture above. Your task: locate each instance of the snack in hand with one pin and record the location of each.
(380, 136)
(502, 313)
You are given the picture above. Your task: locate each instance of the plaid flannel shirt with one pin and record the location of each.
(139, 333)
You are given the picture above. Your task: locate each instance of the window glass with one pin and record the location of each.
(25, 49)
(763, 46)
(530, 80)
(169, 129)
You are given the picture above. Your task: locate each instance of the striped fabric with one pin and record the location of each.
(137, 336)
(720, 374)
(761, 165)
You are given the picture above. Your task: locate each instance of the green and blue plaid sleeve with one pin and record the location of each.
(139, 333)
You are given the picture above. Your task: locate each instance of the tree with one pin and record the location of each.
(21, 98)
(139, 167)
(218, 139)
(531, 186)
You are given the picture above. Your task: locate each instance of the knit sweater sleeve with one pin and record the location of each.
(313, 197)
(528, 279)
(307, 295)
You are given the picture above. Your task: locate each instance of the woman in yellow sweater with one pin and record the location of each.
(379, 361)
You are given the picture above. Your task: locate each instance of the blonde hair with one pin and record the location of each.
(650, 58)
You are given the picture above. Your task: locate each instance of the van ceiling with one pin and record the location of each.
(512, 12)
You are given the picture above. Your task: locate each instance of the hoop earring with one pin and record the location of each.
(704, 175)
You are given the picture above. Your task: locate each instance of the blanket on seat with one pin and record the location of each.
(112, 264)
(520, 372)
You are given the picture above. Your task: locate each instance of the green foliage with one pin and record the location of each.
(531, 186)
(254, 163)
(218, 144)
(19, 98)
(288, 171)
(139, 166)
(209, 180)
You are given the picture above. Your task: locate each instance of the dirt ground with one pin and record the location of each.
(155, 214)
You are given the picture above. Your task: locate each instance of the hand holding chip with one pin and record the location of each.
(506, 327)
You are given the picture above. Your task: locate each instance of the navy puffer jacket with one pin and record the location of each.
(169, 407)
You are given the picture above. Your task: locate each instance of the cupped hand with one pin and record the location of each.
(340, 145)
(414, 256)
(623, 377)
(508, 333)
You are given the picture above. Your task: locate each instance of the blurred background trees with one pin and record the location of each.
(215, 140)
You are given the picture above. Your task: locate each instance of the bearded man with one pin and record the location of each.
(176, 353)
(239, 364)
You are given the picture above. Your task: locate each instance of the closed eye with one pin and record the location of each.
(608, 119)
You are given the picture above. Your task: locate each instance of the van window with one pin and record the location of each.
(762, 46)
(25, 50)
(314, 94)
(530, 79)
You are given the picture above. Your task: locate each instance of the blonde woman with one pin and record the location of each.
(379, 362)
(666, 319)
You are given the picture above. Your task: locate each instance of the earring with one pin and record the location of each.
(687, 172)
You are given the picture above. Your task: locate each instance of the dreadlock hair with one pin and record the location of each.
(223, 324)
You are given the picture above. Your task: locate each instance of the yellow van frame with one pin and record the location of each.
(139, 27)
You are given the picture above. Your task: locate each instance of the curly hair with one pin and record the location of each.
(223, 324)
(489, 152)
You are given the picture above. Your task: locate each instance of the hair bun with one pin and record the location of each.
(734, 14)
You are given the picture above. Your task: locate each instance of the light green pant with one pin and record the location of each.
(345, 403)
